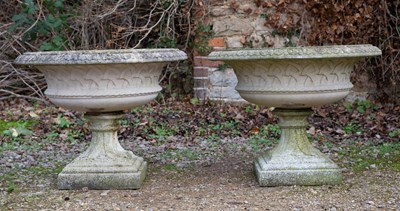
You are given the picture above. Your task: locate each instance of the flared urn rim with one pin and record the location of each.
(295, 77)
(307, 52)
(82, 57)
(100, 81)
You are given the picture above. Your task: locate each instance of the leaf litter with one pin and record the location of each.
(185, 141)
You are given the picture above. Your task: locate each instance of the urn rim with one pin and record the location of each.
(85, 57)
(308, 52)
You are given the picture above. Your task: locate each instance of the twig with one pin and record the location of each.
(13, 94)
(152, 27)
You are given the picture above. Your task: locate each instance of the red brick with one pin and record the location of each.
(200, 83)
(200, 72)
(216, 42)
(203, 61)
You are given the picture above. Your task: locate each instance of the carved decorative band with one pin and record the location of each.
(310, 52)
(291, 91)
(101, 56)
(100, 96)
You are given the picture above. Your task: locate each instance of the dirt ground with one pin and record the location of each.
(200, 158)
(226, 185)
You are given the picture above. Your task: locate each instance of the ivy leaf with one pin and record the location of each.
(30, 7)
(59, 4)
(42, 28)
(58, 40)
(360, 109)
(45, 46)
(194, 101)
(22, 17)
(19, 19)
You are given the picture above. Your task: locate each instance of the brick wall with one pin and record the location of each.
(237, 25)
(240, 24)
(213, 80)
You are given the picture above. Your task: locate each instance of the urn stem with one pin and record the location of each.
(104, 129)
(105, 164)
(294, 138)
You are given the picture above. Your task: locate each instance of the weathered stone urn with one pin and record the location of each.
(293, 80)
(102, 83)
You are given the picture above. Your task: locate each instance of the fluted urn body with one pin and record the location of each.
(293, 80)
(102, 83)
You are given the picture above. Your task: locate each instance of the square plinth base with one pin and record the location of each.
(103, 181)
(283, 177)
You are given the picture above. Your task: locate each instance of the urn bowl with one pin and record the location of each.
(102, 80)
(296, 77)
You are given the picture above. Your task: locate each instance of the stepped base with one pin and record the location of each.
(296, 170)
(295, 161)
(102, 180)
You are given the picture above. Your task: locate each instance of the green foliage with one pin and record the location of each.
(213, 137)
(222, 67)
(195, 101)
(10, 186)
(162, 131)
(395, 133)
(49, 30)
(264, 15)
(185, 154)
(248, 109)
(267, 136)
(360, 105)
(200, 42)
(15, 129)
(230, 128)
(386, 155)
(292, 32)
(251, 108)
(353, 128)
(170, 167)
(52, 136)
(63, 123)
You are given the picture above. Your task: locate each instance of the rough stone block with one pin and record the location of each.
(225, 78)
(260, 26)
(235, 42)
(223, 93)
(221, 11)
(229, 26)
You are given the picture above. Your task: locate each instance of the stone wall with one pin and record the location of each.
(235, 24)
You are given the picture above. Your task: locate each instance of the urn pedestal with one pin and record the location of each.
(102, 83)
(293, 80)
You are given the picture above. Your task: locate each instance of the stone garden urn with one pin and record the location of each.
(293, 80)
(102, 83)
